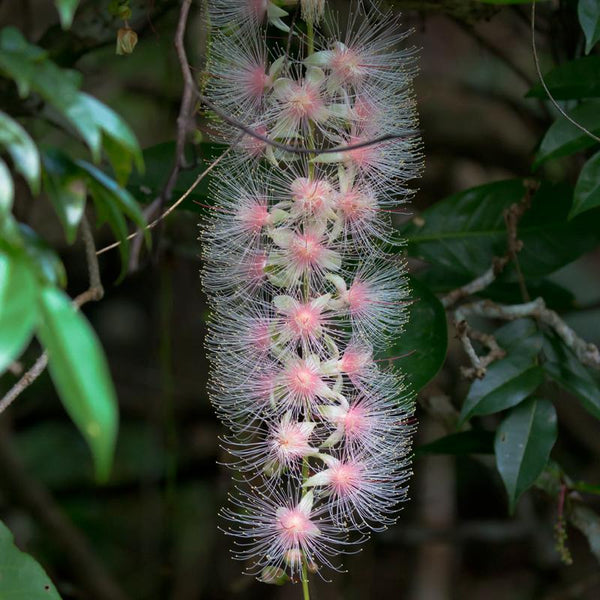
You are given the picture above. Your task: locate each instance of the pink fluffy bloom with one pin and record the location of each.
(301, 272)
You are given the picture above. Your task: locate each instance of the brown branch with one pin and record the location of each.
(586, 352)
(183, 126)
(93, 577)
(479, 363)
(93, 293)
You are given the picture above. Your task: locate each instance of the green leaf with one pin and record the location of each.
(461, 234)
(81, 376)
(587, 190)
(562, 366)
(65, 186)
(7, 190)
(576, 79)
(19, 59)
(474, 441)
(588, 12)
(523, 444)
(420, 349)
(66, 11)
(21, 576)
(563, 138)
(18, 307)
(588, 522)
(47, 263)
(22, 150)
(506, 383)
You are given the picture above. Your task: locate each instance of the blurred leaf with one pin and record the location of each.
(67, 191)
(420, 349)
(18, 307)
(7, 190)
(562, 366)
(588, 12)
(578, 78)
(510, 1)
(521, 335)
(474, 441)
(21, 576)
(30, 67)
(588, 522)
(523, 443)
(22, 150)
(586, 488)
(66, 11)
(462, 233)
(564, 138)
(587, 190)
(80, 373)
(49, 266)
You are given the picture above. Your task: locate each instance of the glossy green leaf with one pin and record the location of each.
(588, 12)
(507, 382)
(66, 11)
(462, 233)
(7, 189)
(18, 307)
(474, 441)
(420, 350)
(66, 188)
(80, 373)
(22, 150)
(571, 80)
(562, 366)
(523, 444)
(21, 576)
(563, 138)
(19, 59)
(587, 190)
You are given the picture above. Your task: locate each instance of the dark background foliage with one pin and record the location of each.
(150, 532)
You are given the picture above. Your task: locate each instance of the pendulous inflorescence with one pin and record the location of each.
(302, 270)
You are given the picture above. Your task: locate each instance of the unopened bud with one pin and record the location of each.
(274, 576)
(312, 10)
(126, 40)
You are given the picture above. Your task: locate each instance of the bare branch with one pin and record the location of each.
(586, 352)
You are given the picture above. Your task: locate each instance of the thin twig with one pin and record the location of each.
(93, 293)
(543, 82)
(171, 208)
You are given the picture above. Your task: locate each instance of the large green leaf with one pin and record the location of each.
(420, 350)
(66, 11)
(462, 233)
(7, 189)
(523, 444)
(66, 188)
(21, 576)
(564, 138)
(588, 12)
(575, 79)
(587, 190)
(474, 441)
(81, 376)
(46, 262)
(18, 307)
(562, 366)
(22, 150)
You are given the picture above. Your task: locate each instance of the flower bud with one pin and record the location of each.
(126, 40)
(312, 10)
(274, 576)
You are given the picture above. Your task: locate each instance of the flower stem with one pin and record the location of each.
(305, 590)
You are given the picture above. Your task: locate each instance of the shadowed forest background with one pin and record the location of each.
(153, 525)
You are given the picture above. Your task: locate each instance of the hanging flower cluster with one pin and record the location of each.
(302, 272)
